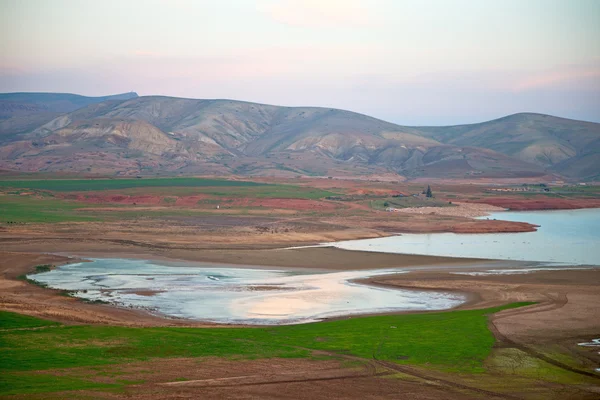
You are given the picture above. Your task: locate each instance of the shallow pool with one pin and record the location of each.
(237, 295)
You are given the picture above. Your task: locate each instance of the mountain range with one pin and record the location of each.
(130, 135)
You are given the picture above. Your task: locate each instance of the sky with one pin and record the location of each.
(413, 62)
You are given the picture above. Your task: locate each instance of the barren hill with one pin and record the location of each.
(165, 135)
(565, 146)
(21, 112)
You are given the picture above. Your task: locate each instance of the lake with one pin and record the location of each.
(272, 296)
(565, 236)
(237, 295)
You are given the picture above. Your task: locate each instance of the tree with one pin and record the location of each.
(429, 194)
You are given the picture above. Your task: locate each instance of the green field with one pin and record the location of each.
(173, 186)
(25, 201)
(262, 191)
(80, 185)
(20, 209)
(38, 359)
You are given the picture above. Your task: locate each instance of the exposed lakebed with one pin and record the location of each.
(237, 295)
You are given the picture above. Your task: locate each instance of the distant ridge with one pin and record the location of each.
(126, 134)
(561, 145)
(60, 102)
(23, 111)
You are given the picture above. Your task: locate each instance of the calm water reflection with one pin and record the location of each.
(237, 295)
(571, 237)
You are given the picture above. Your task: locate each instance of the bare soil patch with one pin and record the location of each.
(467, 210)
(185, 378)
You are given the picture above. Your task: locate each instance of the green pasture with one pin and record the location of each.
(169, 186)
(79, 185)
(33, 352)
(20, 209)
(25, 201)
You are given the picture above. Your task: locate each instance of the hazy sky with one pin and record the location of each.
(406, 61)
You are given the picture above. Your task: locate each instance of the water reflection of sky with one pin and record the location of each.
(237, 295)
(570, 236)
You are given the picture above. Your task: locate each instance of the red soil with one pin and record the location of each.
(95, 198)
(190, 201)
(539, 203)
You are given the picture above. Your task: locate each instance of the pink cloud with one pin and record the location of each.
(300, 62)
(146, 53)
(318, 13)
(558, 77)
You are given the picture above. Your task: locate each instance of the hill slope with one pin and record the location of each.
(21, 112)
(158, 135)
(565, 146)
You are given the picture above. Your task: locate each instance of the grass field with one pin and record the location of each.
(35, 201)
(262, 191)
(79, 185)
(174, 186)
(36, 355)
(20, 209)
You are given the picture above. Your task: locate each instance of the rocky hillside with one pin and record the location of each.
(164, 135)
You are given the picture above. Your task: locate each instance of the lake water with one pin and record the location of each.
(237, 295)
(570, 237)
